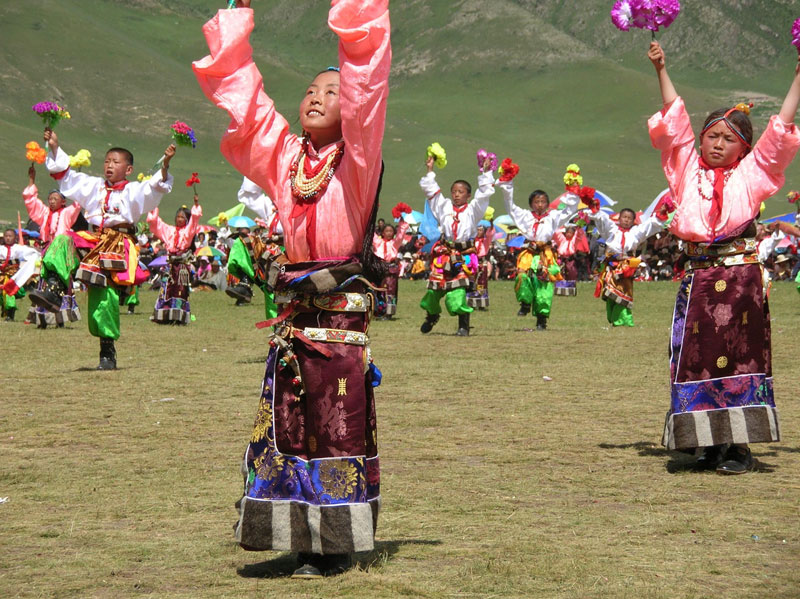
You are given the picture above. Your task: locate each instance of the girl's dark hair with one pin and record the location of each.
(464, 183)
(385, 224)
(373, 268)
(740, 120)
(186, 213)
(537, 192)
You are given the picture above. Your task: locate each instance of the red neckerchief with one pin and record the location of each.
(177, 237)
(109, 188)
(46, 229)
(273, 225)
(537, 218)
(8, 256)
(457, 210)
(719, 185)
(622, 242)
(308, 206)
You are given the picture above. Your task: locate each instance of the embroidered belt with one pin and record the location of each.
(335, 336)
(743, 245)
(331, 302)
(465, 247)
(713, 261)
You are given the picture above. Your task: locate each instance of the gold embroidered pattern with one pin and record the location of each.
(339, 478)
(275, 466)
(342, 386)
(744, 317)
(695, 328)
(722, 362)
(312, 444)
(263, 421)
(720, 286)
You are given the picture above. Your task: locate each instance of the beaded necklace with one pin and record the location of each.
(308, 186)
(705, 187)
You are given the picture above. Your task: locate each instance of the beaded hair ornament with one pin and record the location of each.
(741, 107)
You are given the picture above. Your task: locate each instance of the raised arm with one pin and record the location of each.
(484, 193)
(402, 227)
(522, 218)
(79, 187)
(605, 226)
(257, 135)
(365, 58)
(647, 229)
(194, 221)
(35, 207)
(657, 57)
(158, 227)
(792, 99)
(434, 196)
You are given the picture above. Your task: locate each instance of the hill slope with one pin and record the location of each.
(538, 80)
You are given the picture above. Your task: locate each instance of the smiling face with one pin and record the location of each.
(55, 201)
(320, 114)
(116, 167)
(720, 146)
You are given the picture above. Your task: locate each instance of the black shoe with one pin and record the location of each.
(242, 302)
(243, 290)
(42, 325)
(463, 325)
(710, 458)
(331, 565)
(10, 312)
(108, 354)
(49, 296)
(738, 460)
(541, 322)
(131, 309)
(430, 320)
(524, 309)
(307, 566)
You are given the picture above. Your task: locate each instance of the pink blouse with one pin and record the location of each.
(758, 176)
(568, 247)
(259, 144)
(61, 220)
(176, 241)
(387, 250)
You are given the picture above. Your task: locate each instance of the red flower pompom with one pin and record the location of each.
(508, 169)
(192, 180)
(400, 209)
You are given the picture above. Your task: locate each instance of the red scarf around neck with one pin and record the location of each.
(719, 187)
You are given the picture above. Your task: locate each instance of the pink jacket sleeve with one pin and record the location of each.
(158, 227)
(671, 132)
(763, 168)
(194, 224)
(258, 136)
(35, 207)
(401, 233)
(365, 58)
(71, 213)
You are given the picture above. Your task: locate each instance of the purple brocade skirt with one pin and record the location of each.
(720, 361)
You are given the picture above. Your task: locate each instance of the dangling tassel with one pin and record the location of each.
(183, 276)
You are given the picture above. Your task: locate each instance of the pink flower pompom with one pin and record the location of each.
(622, 15)
(796, 35)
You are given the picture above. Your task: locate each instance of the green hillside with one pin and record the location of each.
(546, 82)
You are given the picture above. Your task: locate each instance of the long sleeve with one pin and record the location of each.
(194, 224)
(433, 194)
(480, 201)
(522, 218)
(253, 197)
(159, 228)
(258, 142)
(27, 257)
(35, 207)
(642, 231)
(671, 133)
(402, 228)
(605, 226)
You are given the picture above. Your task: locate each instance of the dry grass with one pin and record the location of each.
(496, 483)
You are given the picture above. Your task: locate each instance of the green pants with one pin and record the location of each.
(270, 307)
(618, 315)
(455, 301)
(130, 299)
(535, 293)
(10, 301)
(104, 312)
(239, 261)
(60, 259)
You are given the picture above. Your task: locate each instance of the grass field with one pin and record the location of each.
(495, 482)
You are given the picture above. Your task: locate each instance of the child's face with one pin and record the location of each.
(55, 201)
(319, 109)
(180, 220)
(626, 219)
(116, 167)
(460, 194)
(569, 232)
(539, 204)
(720, 146)
(9, 237)
(388, 232)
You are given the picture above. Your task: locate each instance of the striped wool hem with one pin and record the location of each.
(285, 525)
(478, 302)
(752, 424)
(167, 315)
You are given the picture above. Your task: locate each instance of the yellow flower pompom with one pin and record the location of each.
(489, 214)
(81, 158)
(436, 151)
(573, 175)
(222, 218)
(142, 177)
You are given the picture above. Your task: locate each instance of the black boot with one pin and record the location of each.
(50, 295)
(10, 312)
(541, 322)
(131, 309)
(430, 320)
(524, 309)
(463, 325)
(108, 354)
(242, 291)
